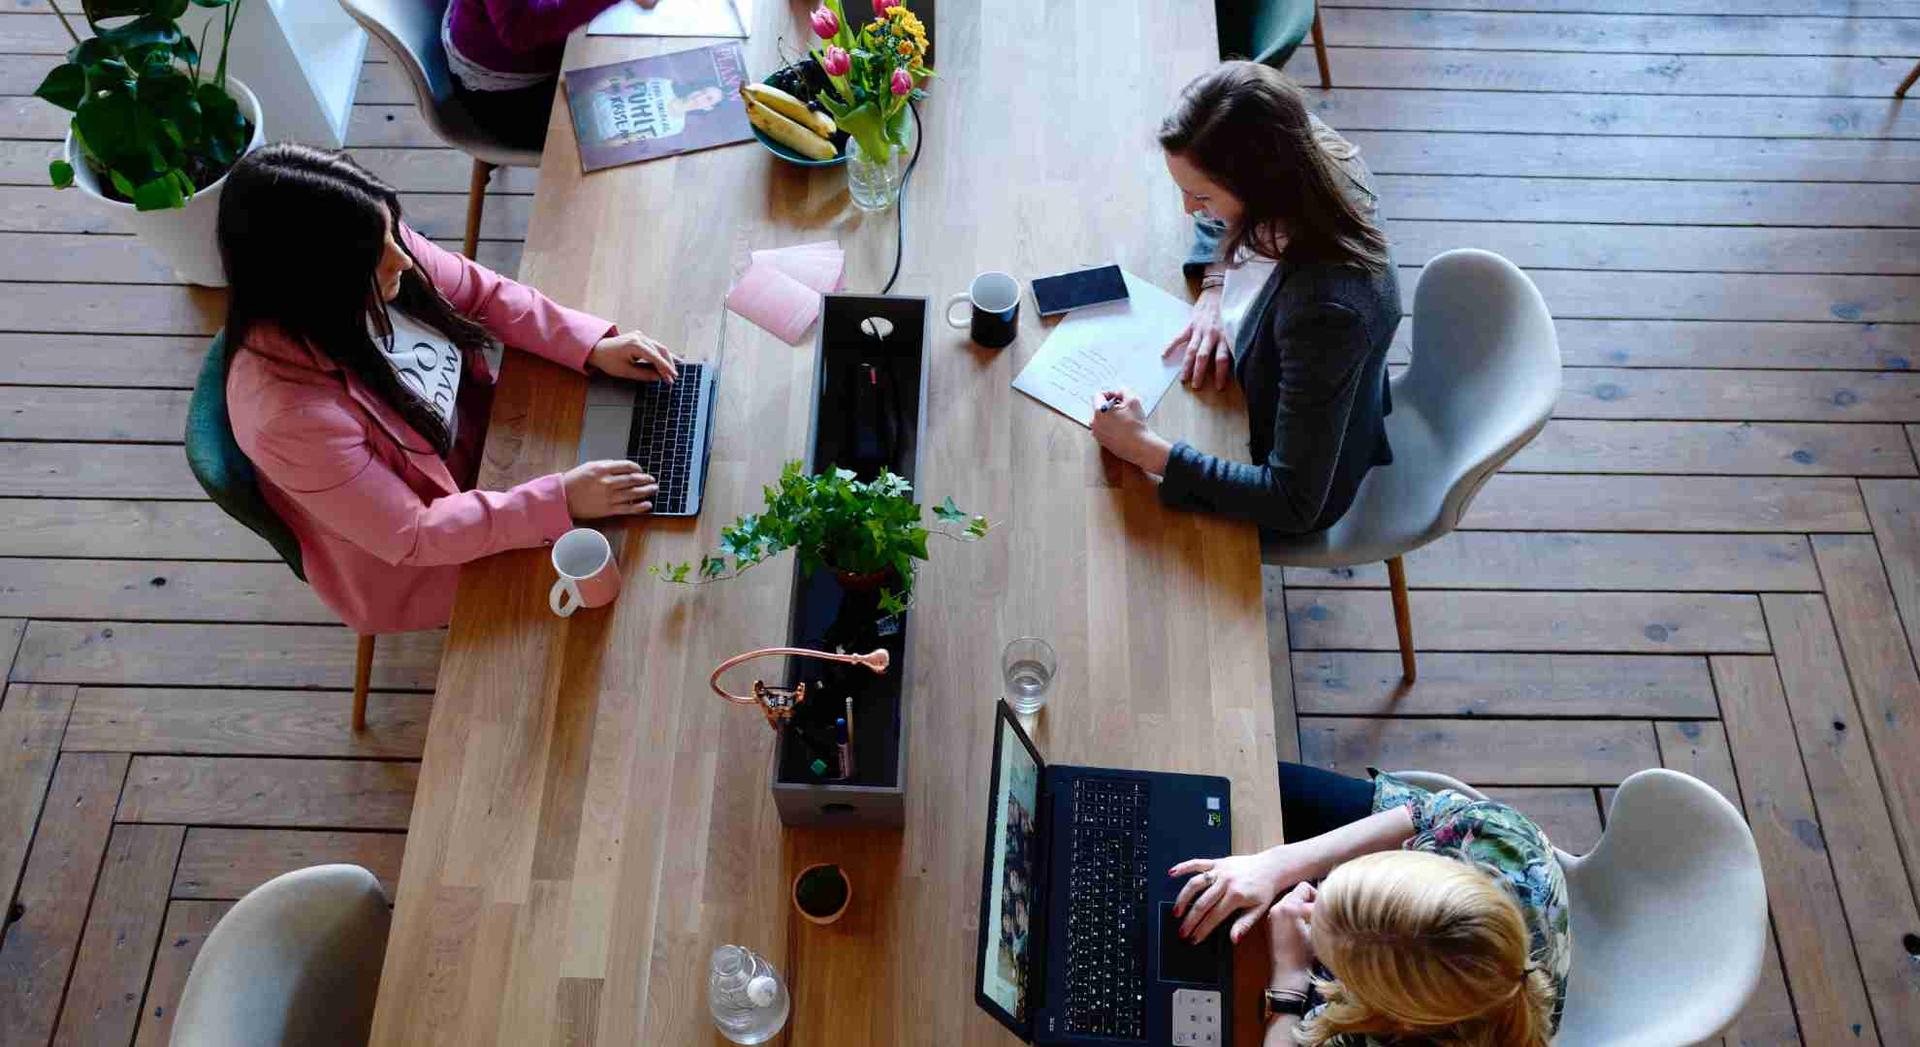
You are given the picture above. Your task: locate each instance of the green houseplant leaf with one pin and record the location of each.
(60, 173)
(64, 86)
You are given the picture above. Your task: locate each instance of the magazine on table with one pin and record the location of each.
(663, 105)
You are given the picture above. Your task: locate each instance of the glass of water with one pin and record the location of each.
(1027, 667)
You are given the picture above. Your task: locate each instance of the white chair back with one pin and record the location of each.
(1669, 915)
(1485, 370)
(411, 30)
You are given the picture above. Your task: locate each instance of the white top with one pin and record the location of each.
(427, 362)
(1249, 274)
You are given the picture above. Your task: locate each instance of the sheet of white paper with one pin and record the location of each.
(674, 18)
(1111, 346)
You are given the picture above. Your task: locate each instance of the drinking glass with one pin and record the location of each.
(1027, 668)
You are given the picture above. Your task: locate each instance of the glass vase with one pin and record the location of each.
(874, 182)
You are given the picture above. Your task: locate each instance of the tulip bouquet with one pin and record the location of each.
(872, 72)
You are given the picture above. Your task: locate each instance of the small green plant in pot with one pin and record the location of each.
(153, 130)
(871, 533)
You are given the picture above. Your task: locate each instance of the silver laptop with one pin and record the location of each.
(667, 429)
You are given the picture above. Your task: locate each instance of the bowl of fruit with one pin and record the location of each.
(789, 122)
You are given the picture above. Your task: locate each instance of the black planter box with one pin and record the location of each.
(868, 407)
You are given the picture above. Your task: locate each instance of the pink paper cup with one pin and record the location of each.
(588, 575)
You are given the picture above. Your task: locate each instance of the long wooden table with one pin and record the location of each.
(591, 822)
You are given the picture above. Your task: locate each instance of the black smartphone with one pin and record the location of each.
(1054, 295)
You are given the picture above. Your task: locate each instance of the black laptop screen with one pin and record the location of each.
(1009, 912)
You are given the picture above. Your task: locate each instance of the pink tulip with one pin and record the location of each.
(880, 7)
(836, 62)
(902, 81)
(825, 23)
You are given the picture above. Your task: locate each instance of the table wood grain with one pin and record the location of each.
(590, 821)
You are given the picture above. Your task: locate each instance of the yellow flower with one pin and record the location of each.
(905, 49)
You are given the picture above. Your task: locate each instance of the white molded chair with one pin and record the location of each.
(296, 963)
(411, 30)
(1669, 915)
(1482, 382)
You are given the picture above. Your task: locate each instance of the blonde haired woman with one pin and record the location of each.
(1442, 918)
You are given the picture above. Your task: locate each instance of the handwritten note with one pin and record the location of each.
(1113, 346)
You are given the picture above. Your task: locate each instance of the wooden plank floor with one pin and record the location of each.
(1709, 561)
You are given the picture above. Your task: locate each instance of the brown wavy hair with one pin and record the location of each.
(1247, 127)
(1426, 949)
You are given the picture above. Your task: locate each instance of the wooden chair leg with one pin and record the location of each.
(1402, 616)
(362, 676)
(476, 203)
(1320, 51)
(1912, 75)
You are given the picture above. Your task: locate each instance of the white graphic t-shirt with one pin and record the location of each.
(427, 362)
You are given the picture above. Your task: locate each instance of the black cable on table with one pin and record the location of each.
(900, 204)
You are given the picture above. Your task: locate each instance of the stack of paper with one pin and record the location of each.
(1114, 346)
(780, 292)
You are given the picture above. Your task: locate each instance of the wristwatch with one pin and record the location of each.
(1276, 1002)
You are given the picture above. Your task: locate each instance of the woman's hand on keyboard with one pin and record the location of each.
(1246, 884)
(634, 356)
(610, 488)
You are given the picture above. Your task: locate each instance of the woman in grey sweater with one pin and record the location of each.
(1298, 302)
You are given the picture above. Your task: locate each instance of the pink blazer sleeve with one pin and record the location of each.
(319, 455)
(516, 314)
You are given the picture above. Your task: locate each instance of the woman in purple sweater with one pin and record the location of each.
(505, 59)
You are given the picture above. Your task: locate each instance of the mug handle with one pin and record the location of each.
(564, 598)
(958, 325)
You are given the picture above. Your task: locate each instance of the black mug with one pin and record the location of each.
(995, 298)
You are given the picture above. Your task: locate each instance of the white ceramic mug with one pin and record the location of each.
(589, 577)
(994, 318)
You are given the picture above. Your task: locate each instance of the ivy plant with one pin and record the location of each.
(145, 120)
(834, 520)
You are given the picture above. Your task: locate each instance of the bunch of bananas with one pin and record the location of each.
(789, 121)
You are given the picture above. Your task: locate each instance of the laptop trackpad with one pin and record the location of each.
(1184, 961)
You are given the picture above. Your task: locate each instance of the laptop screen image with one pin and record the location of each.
(1009, 917)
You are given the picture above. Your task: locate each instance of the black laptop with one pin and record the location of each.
(1078, 944)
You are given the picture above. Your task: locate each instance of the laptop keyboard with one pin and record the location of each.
(662, 436)
(1107, 909)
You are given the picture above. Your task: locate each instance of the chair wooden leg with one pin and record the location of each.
(476, 203)
(362, 676)
(1912, 75)
(1402, 616)
(1320, 51)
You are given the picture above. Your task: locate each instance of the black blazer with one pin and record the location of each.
(1312, 359)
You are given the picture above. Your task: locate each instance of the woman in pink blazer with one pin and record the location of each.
(359, 390)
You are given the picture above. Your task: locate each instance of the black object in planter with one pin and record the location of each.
(868, 409)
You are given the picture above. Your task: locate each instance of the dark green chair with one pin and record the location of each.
(1269, 31)
(228, 476)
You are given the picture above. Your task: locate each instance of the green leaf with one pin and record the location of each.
(891, 603)
(949, 512)
(60, 173)
(147, 29)
(977, 527)
(712, 567)
(121, 183)
(160, 194)
(64, 86)
(679, 572)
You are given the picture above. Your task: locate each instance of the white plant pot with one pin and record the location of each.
(183, 236)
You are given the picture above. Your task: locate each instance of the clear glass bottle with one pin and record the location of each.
(748, 1000)
(874, 184)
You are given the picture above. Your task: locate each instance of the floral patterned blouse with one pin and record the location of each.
(1502, 841)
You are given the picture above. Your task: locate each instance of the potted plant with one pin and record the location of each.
(869, 533)
(873, 71)
(821, 893)
(152, 135)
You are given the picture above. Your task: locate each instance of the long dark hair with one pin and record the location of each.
(301, 234)
(1247, 127)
